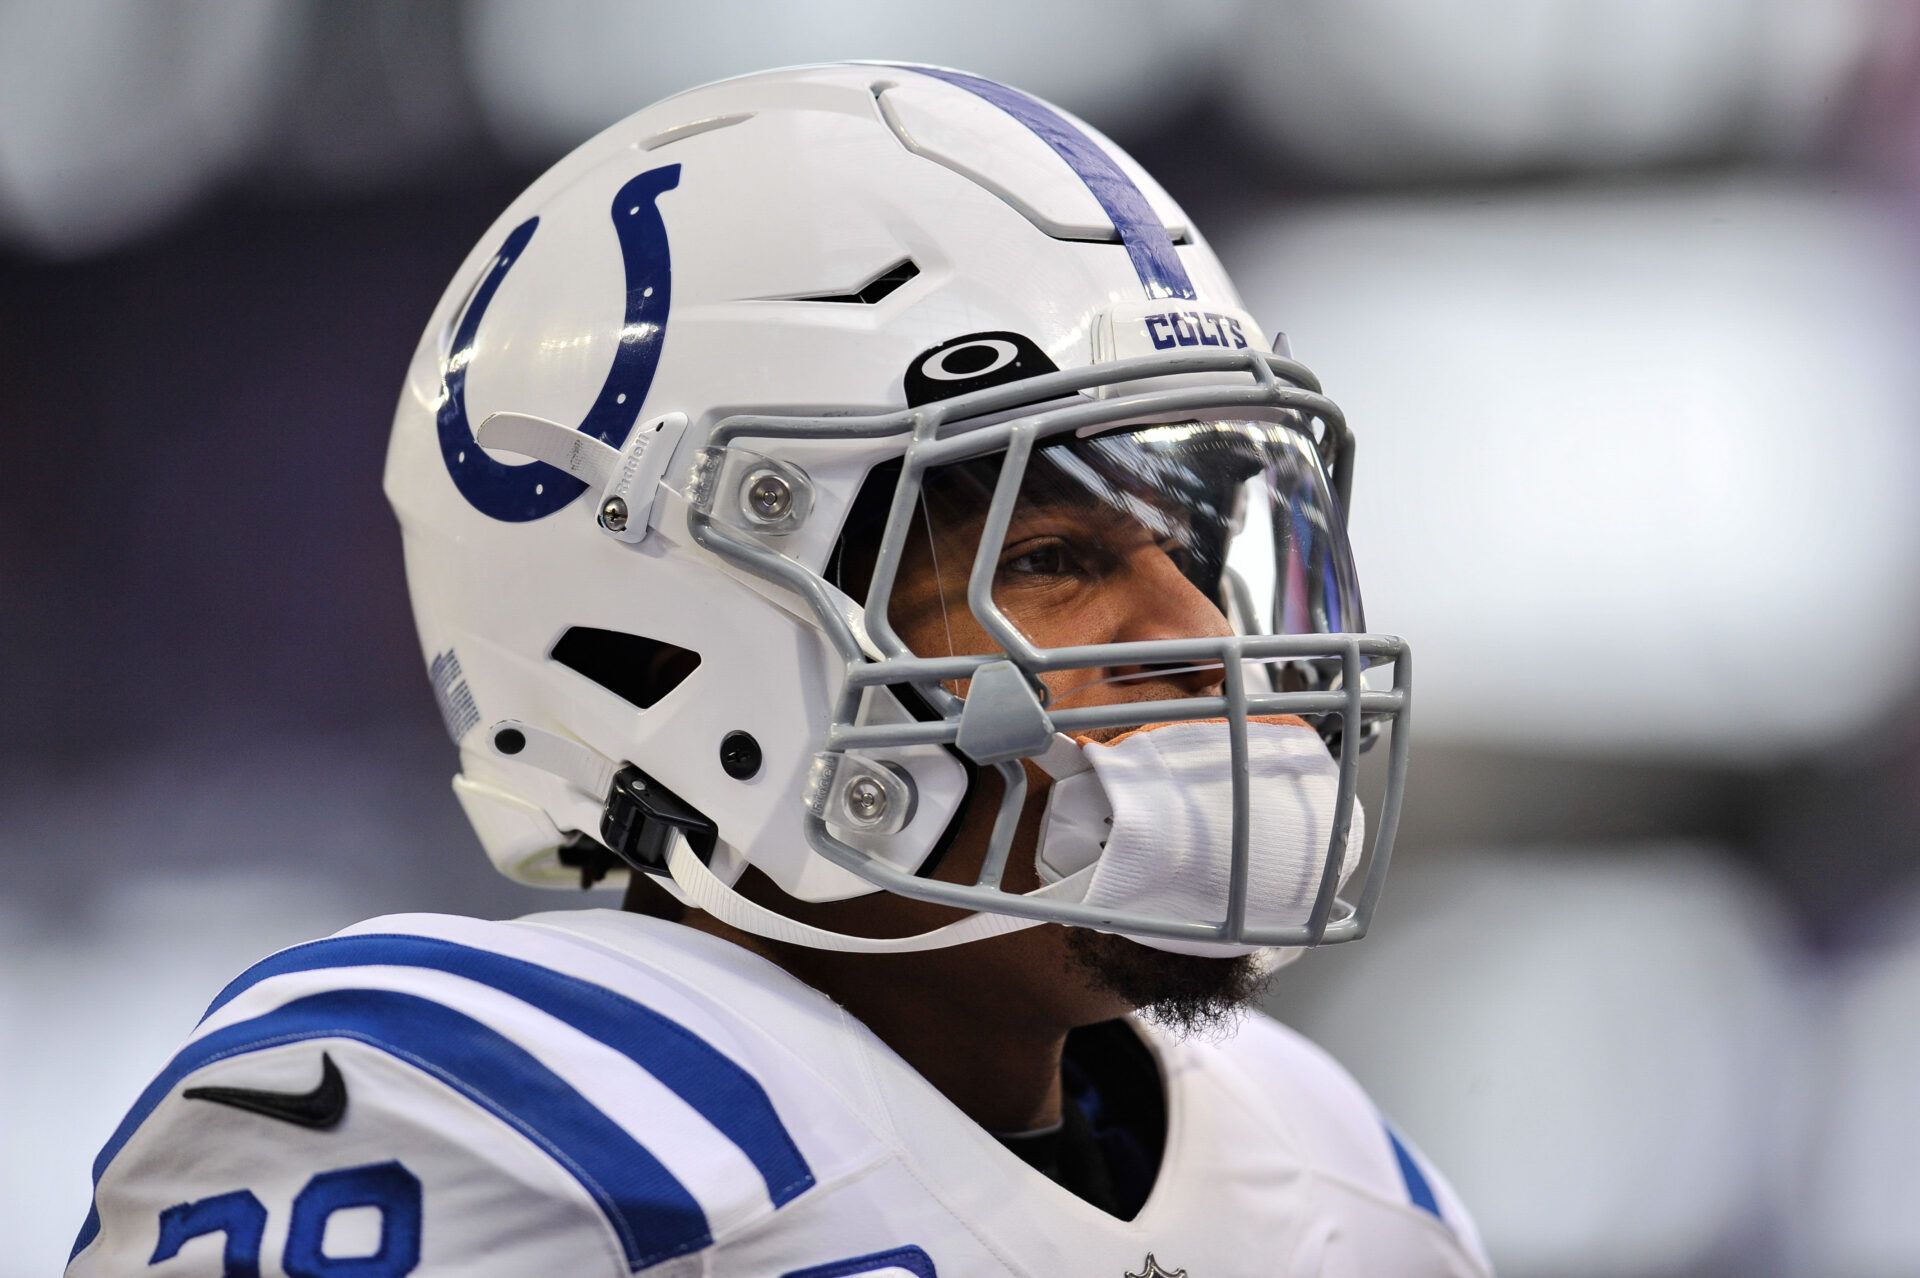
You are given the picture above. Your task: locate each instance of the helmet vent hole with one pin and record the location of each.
(638, 670)
(874, 290)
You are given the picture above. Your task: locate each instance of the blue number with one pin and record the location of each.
(388, 1186)
(238, 1215)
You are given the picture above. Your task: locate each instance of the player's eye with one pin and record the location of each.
(1042, 557)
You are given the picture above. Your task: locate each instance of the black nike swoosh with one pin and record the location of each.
(322, 1107)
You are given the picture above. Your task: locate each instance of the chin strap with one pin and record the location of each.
(705, 890)
(701, 888)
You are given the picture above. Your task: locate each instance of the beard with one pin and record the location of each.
(1189, 995)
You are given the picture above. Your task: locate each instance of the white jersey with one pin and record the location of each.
(594, 1093)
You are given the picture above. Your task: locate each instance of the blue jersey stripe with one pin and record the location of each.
(1155, 260)
(715, 1087)
(651, 1211)
(912, 1259)
(1418, 1190)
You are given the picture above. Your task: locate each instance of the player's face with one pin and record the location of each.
(1100, 550)
(1110, 542)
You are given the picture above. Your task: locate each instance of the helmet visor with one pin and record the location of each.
(1178, 530)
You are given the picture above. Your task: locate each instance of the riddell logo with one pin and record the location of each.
(1151, 1269)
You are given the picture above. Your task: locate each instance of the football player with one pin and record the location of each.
(851, 506)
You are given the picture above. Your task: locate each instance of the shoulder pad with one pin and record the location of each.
(1341, 1130)
(481, 1075)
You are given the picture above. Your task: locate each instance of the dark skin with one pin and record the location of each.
(985, 1023)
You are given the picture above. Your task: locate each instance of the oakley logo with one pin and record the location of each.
(971, 362)
(1195, 328)
(980, 358)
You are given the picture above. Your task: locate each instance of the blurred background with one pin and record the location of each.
(1622, 296)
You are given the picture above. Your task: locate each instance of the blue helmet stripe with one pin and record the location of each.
(1154, 259)
(651, 1211)
(714, 1086)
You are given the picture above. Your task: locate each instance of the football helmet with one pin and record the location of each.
(684, 434)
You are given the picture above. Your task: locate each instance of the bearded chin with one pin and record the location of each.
(1187, 994)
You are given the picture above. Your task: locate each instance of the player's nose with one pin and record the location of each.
(1162, 603)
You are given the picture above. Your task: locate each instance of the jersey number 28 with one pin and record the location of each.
(391, 1188)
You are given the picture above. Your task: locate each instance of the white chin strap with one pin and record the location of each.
(701, 888)
(705, 890)
(591, 773)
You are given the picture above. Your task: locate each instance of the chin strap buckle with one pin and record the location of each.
(642, 817)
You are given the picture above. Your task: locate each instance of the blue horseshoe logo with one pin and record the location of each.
(533, 490)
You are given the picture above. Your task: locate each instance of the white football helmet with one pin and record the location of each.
(674, 427)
